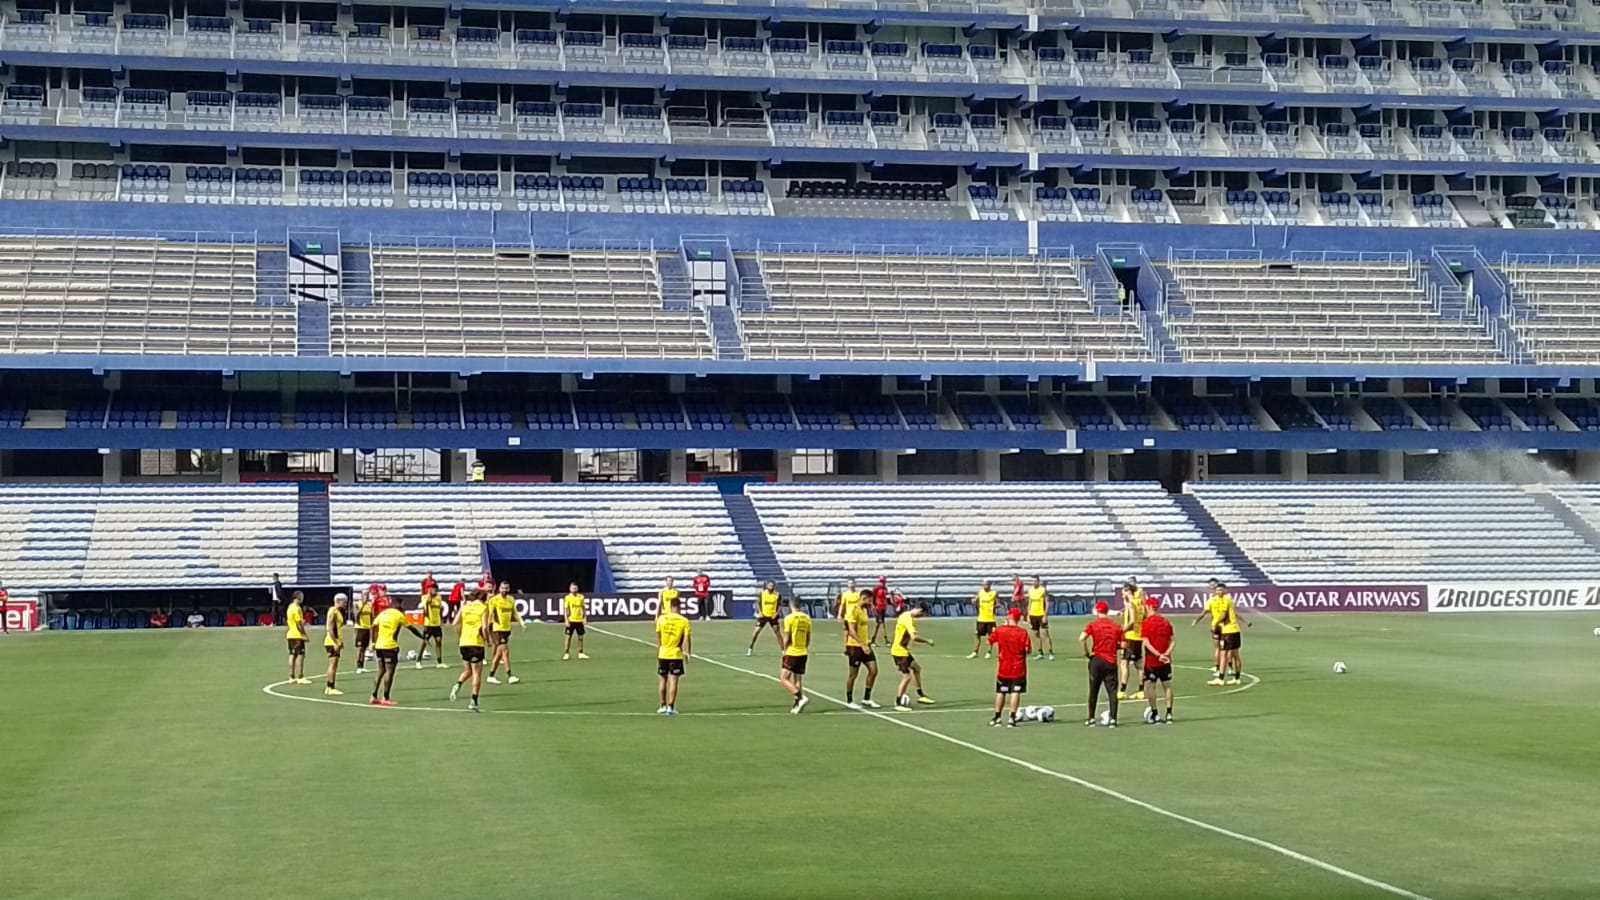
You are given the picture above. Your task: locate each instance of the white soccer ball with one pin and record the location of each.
(1039, 713)
(1149, 716)
(1339, 668)
(411, 654)
(1105, 717)
(1597, 632)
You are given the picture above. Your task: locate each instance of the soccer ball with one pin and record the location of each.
(411, 654)
(903, 700)
(1597, 632)
(1339, 668)
(1105, 717)
(1038, 713)
(1149, 716)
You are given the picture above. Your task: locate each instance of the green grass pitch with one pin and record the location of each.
(1455, 760)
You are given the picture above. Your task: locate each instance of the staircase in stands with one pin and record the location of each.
(753, 537)
(1226, 547)
(316, 561)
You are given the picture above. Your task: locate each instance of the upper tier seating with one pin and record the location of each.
(480, 301)
(61, 537)
(876, 306)
(959, 534)
(1560, 324)
(396, 534)
(1397, 532)
(137, 296)
(1254, 310)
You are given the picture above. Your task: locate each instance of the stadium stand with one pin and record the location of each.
(1397, 532)
(1553, 297)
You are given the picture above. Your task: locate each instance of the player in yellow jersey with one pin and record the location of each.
(1132, 619)
(672, 655)
(386, 643)
(502, 612)
(847, 598)
(985, 601)
(333, 642)
(363, 631)
(905, 634)
(858, 649)
(572, 611)
(1225, 620)
(296, 617)
(667, 595)
(796, 653)
(766, 617)
(472, 634)
(1039, 618)
(432, 629)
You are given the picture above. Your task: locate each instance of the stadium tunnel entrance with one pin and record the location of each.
(547, 567)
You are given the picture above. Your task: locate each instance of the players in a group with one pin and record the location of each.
(472, 634)
(1011, 645)
(432, 624)
(333, 642)
(1158, 646)
(502, 612)
(796, 652)
(1039, 619)
(905, 634)
(985, 600)
(858, 650)
(364, 614)
(386, 627)
(766, 617)
(1131, 617)
(572, 610)
(296, 619)
(1100, 639)
(1225, 622)
(672, 655)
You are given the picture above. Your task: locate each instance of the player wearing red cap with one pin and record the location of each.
(1158, 646)
(880, 608)
(1011, 645)
(1099, 640)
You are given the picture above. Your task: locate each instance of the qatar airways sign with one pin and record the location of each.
(1301, 598)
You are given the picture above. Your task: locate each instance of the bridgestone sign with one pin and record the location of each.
(1517, 597)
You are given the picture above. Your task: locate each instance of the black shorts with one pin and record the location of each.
(389, 656)
(1155, 672)
(499, 638)
(1037, 622)
(433, 632)
(1011, 685)
(576, 628)
(297, 646)
(984, 628)
(1133, 651)
(1102, 672)
(472, 654)
(1230, 641)
(669, 667)
(795, 664)
(363, 638)
(879, 613)
(860, 656)
(333, 652)
(903, 663)
(764, 621)
(1216, 633)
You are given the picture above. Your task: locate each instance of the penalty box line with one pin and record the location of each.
(899, 721)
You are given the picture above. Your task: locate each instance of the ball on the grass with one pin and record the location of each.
(411, 654)
(1340, 668)
(1597, 632)
(1149, 716)
(1105, 717)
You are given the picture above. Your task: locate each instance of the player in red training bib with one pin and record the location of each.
(1011, 646)
(1100, 639)
(880, 609)
(1158, 645)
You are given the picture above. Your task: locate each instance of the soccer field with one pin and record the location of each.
(1456, 759)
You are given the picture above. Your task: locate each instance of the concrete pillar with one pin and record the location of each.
(1585, 464)
(569, 466)
(110, 467)
(1294, 465)
(988, 465)
(784, 459)
(888, 465)
(677, 466)
(6, 463)
(1099, 465)
(230, 467)
(456, 465)
(1392, 465)
(344, 466)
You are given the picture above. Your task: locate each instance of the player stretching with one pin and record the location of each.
(796, 650)
(880, 609)
(985, 600)
(472, 633)
(333, 642)
(672, 655)
(364, 616)
(766, 617)
(502, 610)
(1099, 639)
(1158, 646)
(1039, 618)
(858, 649)
(296, 617)
(572, 605)
(1132, 616)
(432, 626)
(905, 634)
(386, 641)
(1011, 644)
